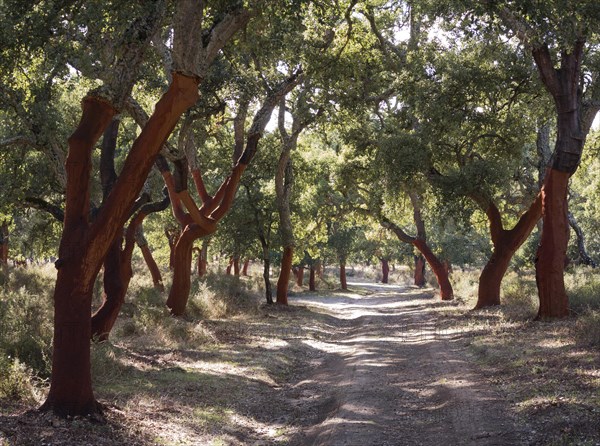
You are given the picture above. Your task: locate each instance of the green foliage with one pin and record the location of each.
(25, 319)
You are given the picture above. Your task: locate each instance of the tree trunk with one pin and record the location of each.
(236, 266)
(343, 282)
(300, 276)
(438, 269)
(229, 266)
(153, 267)
(117, 275)
(203, 259)
(506, 243)
(420, 271)
(267, 273)
(311, 279)
(180, 289)
(284, 275)
(551, 253)
(584, 257)
(385, 270)
(245, 267)
(71, 383)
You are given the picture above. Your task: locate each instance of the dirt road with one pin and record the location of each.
(394, 376)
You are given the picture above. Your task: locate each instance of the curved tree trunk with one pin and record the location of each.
(584, 257)
(117, 275)
(438, 269)
(180, 289)
(343, 282)
(506, 243)
(284, 275)
(245, 267)
(419, 276)
(385, 270)
(551, 253)
(311, 279)
(153, 267)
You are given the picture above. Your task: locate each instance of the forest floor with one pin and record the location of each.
(377, 365)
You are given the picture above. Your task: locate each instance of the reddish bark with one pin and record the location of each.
(552, 250)
(245, 267)
(311, 279)
(236, 266)
(343, 283)
(385, 270)
(71, 383)
(438, 269)
(284, 276)
(300, 276)
(420, 271)
(506, 243)
(152, 267)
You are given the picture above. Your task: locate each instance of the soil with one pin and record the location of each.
(377, 365)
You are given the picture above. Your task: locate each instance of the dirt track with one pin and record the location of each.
(395, 377)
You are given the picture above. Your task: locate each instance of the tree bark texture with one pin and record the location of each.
(343, 282)
(506, 243)
(419, 276)
(440, 272)
(385, 270)
(311, 279)
(152, 267)
(284, 275)
(551, 253)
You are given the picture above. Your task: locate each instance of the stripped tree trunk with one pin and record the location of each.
(245, 267)
(343, 282)
(85, 244)
(385, 270)
(419, 277)
(506, 243)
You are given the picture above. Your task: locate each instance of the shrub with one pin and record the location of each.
(587, 329)
(16, 380)
(583, 287)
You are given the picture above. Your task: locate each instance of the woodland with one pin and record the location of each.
(208, 181)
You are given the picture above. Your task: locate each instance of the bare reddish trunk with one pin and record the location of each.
(117, 275)
(420, 271)
(506, 243)
(300, 276)
(385, 270)
(245, 267)
(343, 282)
(438, 269)
(311, 279)
(551, 254)
(153, 267)
(236, 266)
(71, 383)
(284, 275)
(180, 290)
